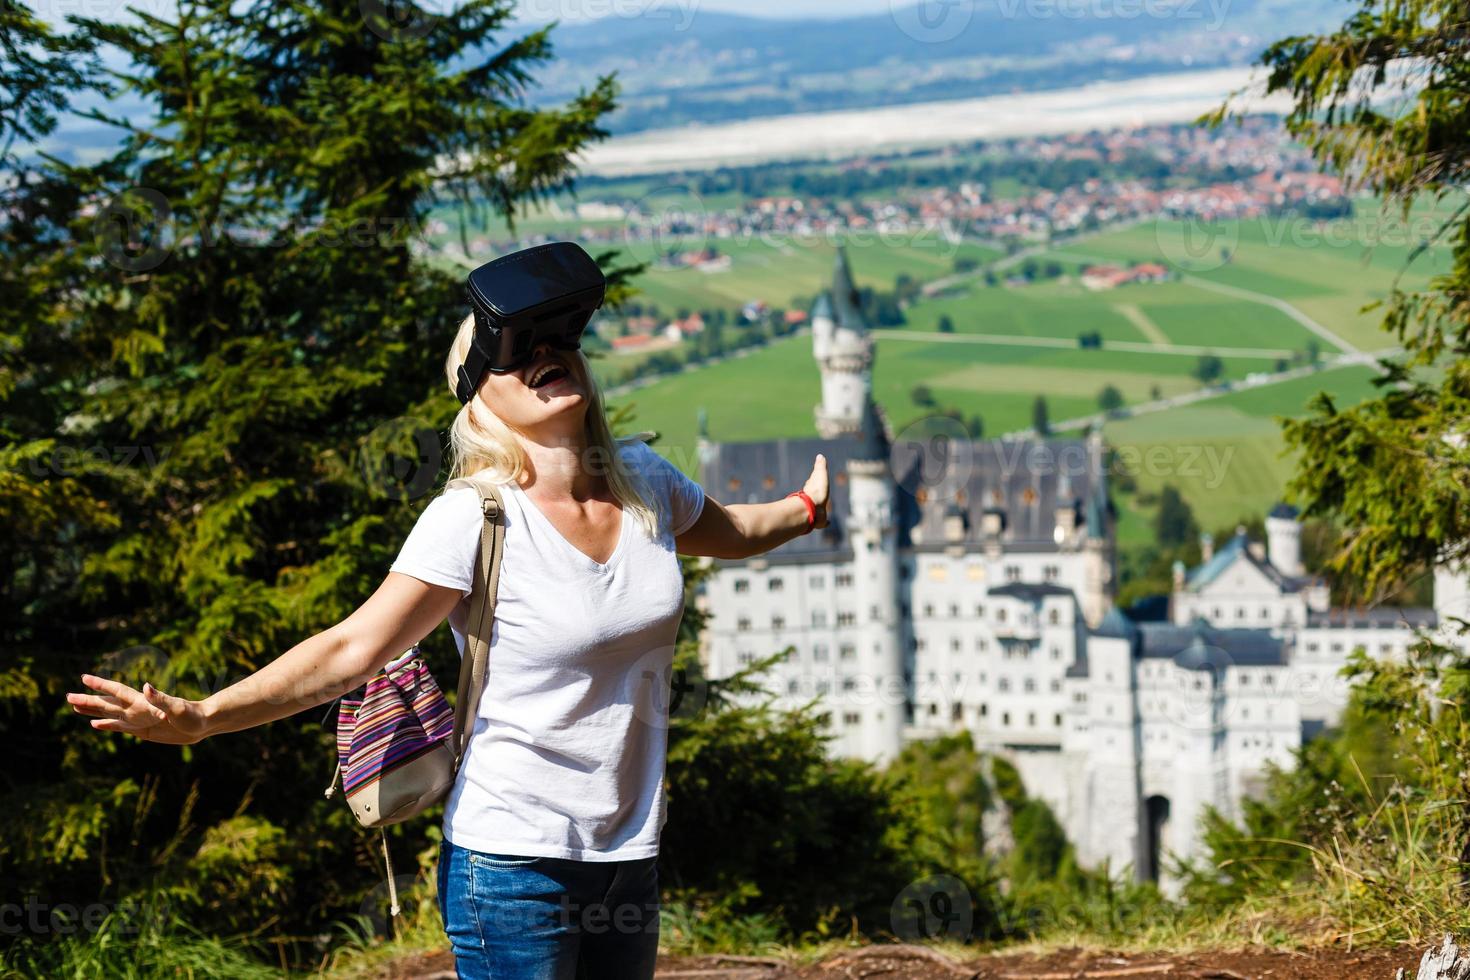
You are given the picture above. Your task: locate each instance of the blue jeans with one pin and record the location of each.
(537, 918)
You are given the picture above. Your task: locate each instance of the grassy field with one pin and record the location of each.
(779, 272)
(1225, 454)
(1329, 272)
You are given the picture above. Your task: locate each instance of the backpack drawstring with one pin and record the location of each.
(392, 885)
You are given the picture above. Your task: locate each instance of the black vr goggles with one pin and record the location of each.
(544, 294)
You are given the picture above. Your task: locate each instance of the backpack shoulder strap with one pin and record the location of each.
(475, 663)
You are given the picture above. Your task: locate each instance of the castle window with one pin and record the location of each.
(980, 611)
(817, 581)
(734, 483)
(849, 683)
(955, 644)
(934, 709)
(1337, 648)
(1313, 647)
(1013, 573)
(1056, 685)
(921, 494)
(844, 580)
(1265, 612)
(1003, 685)
(742, 585)
(1053, 616)
(1057, 720)
(1005, 718)
(1030, 719)
(793, 686)
(928, 610)
(1000, 615)
(768, 481)
(743, 623)
(1051, 572)
(873, 613)
(1030, 685)
(920, 643)
(980, 643)
(847, 651)
(823, 687)
(745, 657)
(775, 585)
(819, 653)
(846, 618)
(956, 711)
(778, 622)
(954, 610)
(819, 617)
(1056, 653)
(851, 718)
(984, 710)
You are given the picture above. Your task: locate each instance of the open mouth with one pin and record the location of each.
(547, 374)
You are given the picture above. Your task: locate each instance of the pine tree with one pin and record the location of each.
(238, 354)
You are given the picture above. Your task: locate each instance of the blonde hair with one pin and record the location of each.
(483, 446)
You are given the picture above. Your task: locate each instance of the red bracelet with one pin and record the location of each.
(811, 508)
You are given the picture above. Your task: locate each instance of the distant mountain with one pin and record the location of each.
(679, 64)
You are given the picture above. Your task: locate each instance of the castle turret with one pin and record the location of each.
(844, 352)
(1284, 540)
(873, 533)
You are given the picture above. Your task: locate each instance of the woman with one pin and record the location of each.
(551, 830)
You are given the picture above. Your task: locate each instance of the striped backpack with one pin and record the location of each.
(399, 745)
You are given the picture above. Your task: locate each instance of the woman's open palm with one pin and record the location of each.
(148, 714)
(817, 489)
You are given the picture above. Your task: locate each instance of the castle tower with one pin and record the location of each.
(1284, 540)
(844, 353)
(881, 701)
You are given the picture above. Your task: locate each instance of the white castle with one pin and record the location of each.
(968, 585)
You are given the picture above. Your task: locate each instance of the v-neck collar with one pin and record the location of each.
(529, 505)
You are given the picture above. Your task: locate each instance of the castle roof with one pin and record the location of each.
(1200, 646)
(1027, 482)
(1238, 549)
(1284, 510)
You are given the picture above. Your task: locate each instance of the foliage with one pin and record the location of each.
(1174, 523)
(1394, 471)
(221, 336)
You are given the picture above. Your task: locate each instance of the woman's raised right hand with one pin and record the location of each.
(148, 714)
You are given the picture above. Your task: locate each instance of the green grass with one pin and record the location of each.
(1329, 272)
(1226, 455)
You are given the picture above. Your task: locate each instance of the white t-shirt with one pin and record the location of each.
(566, 757)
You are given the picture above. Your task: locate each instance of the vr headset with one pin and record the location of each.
(544, 294)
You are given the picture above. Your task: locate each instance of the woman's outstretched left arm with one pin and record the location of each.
(744, 530)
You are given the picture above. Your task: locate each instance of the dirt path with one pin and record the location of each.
(1145, 326)
(918, 963)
